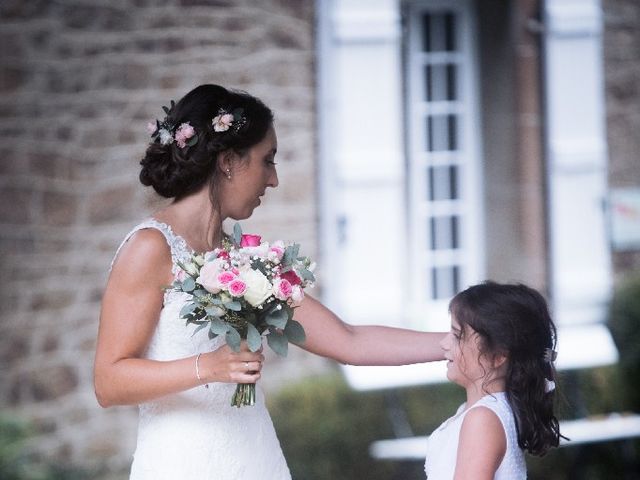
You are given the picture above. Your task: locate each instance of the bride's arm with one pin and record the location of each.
(329, 336)
(130, 310)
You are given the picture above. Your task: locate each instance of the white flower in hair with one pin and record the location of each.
(222, 122)
(165, 136)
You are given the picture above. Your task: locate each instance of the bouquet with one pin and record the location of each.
(246, 290)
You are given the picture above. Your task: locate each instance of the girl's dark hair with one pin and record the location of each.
(514, 320)
(176, 172)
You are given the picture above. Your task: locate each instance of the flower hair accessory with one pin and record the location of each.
(549, 355)
(225, 120)
(166, 132)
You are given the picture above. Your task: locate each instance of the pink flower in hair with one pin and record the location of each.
(184, 133)
(152, 127)
(222, 122)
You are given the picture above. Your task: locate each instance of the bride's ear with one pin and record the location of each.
(226, 162)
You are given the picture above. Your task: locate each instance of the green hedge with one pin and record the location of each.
(326, 428)
(17, 464)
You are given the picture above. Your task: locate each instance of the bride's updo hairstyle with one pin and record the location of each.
(174, 171)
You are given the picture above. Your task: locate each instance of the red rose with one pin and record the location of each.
(291, 277)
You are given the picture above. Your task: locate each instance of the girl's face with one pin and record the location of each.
(250, 177)
(464, 365)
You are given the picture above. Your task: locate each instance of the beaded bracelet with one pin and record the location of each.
(198, 371)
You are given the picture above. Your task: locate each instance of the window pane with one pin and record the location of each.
(438, 32)
(442, 133)
(442, 183)
(445, 282)
(426, 31)
(444, 233)
(450, 32)
(440, 82)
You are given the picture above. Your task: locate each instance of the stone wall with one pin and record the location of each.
(622, 79)
(79, 79)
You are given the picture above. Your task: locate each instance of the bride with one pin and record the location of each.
(214, 155)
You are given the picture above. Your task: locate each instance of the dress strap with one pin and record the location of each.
(180, 251)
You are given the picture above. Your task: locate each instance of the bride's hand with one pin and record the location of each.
(225, 365)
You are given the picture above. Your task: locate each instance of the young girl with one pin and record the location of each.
(501, 350)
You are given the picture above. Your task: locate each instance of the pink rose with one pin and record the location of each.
(282, 289)
(184, 133)
(225, 277)
(276, 252)
(250, 241)
(152, 127)
(291, 277)
(181, 275)
(209, 275)
(297, 294)
(237, 287)
(222, 122)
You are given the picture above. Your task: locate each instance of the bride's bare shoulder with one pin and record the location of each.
(144, 252)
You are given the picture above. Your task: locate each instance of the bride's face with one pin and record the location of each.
(251, 175)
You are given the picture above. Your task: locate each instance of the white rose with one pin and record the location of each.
(208, 277)
(258, 287)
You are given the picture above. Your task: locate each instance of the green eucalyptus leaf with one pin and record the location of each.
(200, 292)
(306, 274)
(277, 318)
(188, 284)
(295, 332)
(234, 305)
(192, 141)
(237, 234)
(254, 340)
(278, 343)
(187, 309)
(290, 254)
(233, 339)
(214, 312)
(218, 327)
(200, 327)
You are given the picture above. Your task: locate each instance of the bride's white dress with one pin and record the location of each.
(197, 434)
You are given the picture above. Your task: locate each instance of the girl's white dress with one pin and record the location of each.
(197, 434)
(442, 445)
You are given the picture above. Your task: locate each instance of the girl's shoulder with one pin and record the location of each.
(497, 403)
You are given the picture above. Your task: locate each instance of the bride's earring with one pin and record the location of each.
(228, 174)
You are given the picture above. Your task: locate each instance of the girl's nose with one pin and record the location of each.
(444, 343)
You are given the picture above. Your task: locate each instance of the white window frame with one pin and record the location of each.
(425, 312)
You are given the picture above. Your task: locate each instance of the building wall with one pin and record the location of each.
(622, 79)
(78, 82)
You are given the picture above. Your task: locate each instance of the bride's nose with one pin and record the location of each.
(273, 180)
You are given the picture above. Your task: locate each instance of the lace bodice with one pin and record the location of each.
(442, 445)
(196, 434)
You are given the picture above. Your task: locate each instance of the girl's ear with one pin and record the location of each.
(499, 359)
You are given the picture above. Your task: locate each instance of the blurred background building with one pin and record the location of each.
(424, 145)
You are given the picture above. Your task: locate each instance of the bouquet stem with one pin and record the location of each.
(245, 394)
